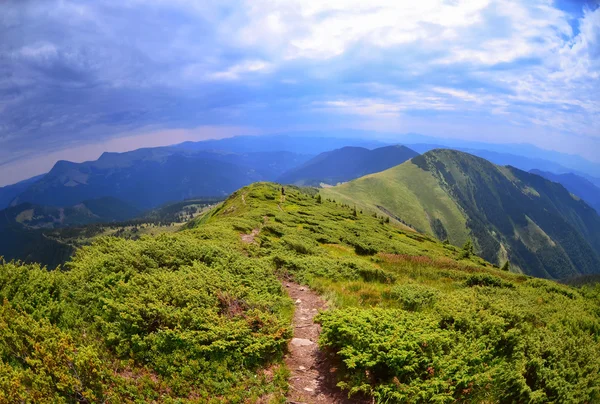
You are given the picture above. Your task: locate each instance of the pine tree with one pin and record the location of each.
(506, 266)
(467, 250)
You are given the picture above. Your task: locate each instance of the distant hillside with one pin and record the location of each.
(576, 185)
(180, 211)
(509, 214)
(570, 162)
(10, 192)
(22, 227)
(147, 178)
(346, 164)
(525, 163)
(20, 242)
(101, 210)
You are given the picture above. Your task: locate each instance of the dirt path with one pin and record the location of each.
(312, 378)
(249, 238)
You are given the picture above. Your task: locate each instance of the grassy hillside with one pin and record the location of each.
(408, 195)
(200, 316)
(346, 164)
(510, 214)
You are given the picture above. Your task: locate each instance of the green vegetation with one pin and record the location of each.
(176, 316)
(27, 231)
(193, 316)
(410, 196)
(509, 214)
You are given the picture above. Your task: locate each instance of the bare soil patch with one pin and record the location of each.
(312, 378)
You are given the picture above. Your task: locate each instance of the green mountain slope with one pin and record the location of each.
(510, 214)
(409, 196)
(201, 316)
(346, 164)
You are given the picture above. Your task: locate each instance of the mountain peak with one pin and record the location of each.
(347, 163)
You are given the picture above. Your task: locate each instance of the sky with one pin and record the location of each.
(79, 77)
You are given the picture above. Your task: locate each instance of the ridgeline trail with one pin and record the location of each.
(312, 376)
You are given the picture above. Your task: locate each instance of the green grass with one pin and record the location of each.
(200, 316)
(411, 194)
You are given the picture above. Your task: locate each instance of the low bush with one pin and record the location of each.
(413, 296)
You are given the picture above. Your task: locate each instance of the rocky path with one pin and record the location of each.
(312, 378)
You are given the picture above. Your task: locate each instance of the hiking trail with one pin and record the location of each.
(312, 378)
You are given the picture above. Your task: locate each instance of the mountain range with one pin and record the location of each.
(147, 178)
(539, 226)
(511, 215)
(577, 185)
(10, 192)
(346, 164)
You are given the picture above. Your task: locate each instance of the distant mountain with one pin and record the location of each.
(593, 180)
(310, 145)
(510, 214)
(346, 164)
(101, 210)
(22, 228)
(576, 185)
(10, 192)
(505, 159)
(572, 162)
(147, 178)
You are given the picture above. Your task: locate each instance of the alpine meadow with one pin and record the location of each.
(201, 315)
(300, 202)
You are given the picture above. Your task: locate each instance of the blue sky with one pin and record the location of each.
(80, 77)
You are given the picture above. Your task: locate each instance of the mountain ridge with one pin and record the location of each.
(509, 213)
(147, 178)
(345, 164)
(577, 185)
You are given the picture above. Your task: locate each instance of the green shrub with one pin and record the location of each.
(413, 296)
(300, 245)
(487, 280)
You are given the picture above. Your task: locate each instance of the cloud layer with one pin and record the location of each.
(76, 72)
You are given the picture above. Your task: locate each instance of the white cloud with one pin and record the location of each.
(39, 51)
(72, 68)
(236, 71)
